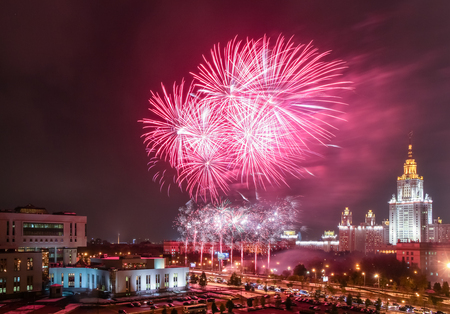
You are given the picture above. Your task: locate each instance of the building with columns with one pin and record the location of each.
(410, 211)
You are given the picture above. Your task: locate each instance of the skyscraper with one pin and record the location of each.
(410, 212)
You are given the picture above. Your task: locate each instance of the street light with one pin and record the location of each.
(364, 274)
(377, 276)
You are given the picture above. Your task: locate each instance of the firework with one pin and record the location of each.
(249, 115)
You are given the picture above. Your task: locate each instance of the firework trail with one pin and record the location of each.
(248, 117)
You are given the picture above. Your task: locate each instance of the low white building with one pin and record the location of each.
(122, 275)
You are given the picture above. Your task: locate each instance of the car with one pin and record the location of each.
(149, 302)
(122, 311)
(130, 305)
(186, 303)
(170, 300)
(266, 296)
(179, 299)
(210, 300)
(136, 304)
(238, 306)
(193, 297)
(153, 307)
(203, 296)
(316, 308)
(202, 301)
(170, 305)
(277, 296)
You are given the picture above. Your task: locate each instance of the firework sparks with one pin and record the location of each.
(248, 117)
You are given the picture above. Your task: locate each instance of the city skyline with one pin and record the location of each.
(76, 78)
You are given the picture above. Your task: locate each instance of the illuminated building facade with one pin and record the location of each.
(31, 239)
(329, 243)
(433, 259)
(438, 232)
(125, 275)
(31, 228)
(20, 273)
(410, 212)
(368, 237)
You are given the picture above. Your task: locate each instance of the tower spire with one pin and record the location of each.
(410, 155)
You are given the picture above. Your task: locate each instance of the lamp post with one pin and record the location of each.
(377, 276)
(364, 274)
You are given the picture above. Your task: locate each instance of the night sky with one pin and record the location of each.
(75, 77)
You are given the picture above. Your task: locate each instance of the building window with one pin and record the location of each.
(81, 279)
(3, 265)
(17, 264)
(16, 284)
(29, 283)
(70, 229)
(14, 229)
(2, 285)
(127, 284)
(175, 280)
(62, 279)
(166, 280)
(71, 280)
(148, 285)
(52, 278)
(88, 282)
(75, 229)
(43, 229)
(138, 283)
(7, 228)
(93, 278)
(29, 263)
(158, 281)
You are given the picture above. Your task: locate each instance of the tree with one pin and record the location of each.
(349, 299)
(235, 280)
(194, 278)
(256, 302)
(222, 308)
(230, 306)
(288, 303)
(249, 302)
(263, 301)
(202, 280)
(437, 287)
(214, 308)
(368, 303)
(300, 270)
(358, 298)
(174, 311)
(290, 284)
(378, 304)
(445, 289)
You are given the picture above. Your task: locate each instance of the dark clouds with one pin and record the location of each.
(75, 77)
